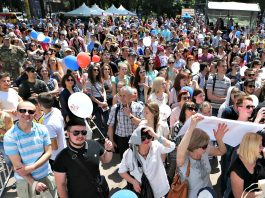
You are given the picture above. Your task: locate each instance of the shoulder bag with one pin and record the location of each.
(100, 183)
(180, 189)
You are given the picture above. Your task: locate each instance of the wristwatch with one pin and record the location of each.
(131, 117)
(108, 150)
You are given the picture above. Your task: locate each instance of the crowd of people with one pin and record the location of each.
(143, 67)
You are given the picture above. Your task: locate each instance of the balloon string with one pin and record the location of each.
(97, 130)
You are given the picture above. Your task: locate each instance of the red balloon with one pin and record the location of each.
(95, 59)
(83, 60)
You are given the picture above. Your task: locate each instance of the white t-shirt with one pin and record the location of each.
(55, 125)
(9, 100)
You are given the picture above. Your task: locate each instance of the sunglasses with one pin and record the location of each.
(142, 72)
(250, 107)
(250, 75)
(31, 112)
(191, 108)
(32, 71)
(145, 136)
(76, 133)
(204, 147)
(170, 62)
(70, 80)
(95, 69)
(185, 97)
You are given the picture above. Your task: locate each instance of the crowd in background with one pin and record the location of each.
(138, 67)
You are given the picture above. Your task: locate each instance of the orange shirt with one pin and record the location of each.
(134, 68)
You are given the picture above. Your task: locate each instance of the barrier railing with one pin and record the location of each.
(5, 172)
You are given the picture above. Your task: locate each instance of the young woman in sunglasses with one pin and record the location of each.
(144, 158)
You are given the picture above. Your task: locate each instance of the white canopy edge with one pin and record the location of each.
(251, 7)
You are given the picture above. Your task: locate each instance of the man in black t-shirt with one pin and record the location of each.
(32, 86)
(76, 168)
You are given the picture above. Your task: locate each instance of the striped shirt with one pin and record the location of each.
(29, 146)
(220, 86)
(125, 127)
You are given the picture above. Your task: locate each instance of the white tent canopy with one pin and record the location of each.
(100, 11)
(234, 6)
(83, 10)
(113, 10)
(123, 11)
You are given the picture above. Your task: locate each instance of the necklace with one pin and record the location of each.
(160, 98)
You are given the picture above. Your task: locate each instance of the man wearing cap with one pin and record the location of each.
(76, 167)
(217, 39)
(32, 86)
(11, 57)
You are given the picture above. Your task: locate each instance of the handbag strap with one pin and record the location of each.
(101, 95)
(188, 170)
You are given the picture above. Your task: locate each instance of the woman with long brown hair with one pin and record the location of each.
(96, 91)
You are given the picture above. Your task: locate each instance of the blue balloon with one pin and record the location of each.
(189, 89)
(124, 194)
(34, 34)
(232, 28)
(71, 62)
(47, 39)
(238, 33)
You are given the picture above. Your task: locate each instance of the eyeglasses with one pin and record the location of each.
(76, 133)
(70, 80)
(185, 97)
(191, 108)
(251, 86)
(204, 147)
(95, 69)
(31, 112)
(145, 136)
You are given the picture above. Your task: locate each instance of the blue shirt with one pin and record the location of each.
(29, 146)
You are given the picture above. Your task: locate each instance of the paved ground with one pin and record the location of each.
(114, 180)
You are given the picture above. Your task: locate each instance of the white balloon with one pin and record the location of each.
(200, 36)
(255, 100)
(41, 37)
(80, 105)
(195, 68)
(147, 41)
(164, 112)
(242, 70)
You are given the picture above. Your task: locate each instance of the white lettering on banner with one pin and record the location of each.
(237, 129)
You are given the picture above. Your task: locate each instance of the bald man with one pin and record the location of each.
(28, 146)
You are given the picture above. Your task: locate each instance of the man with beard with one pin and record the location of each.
(81, 158)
